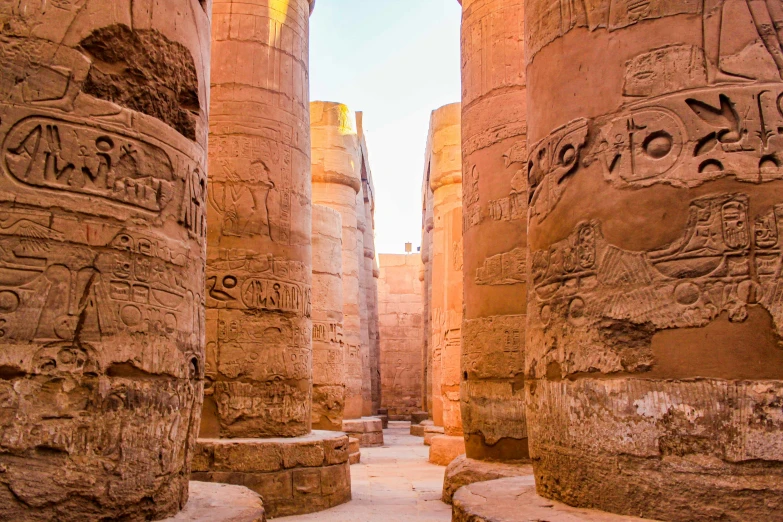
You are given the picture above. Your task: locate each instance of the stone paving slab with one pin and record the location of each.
(210, 502)
(393, 483)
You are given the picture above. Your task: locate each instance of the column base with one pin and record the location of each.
(464, 471)
(354, 451)
(220, 503)
(445, 448)
(417, 417)
(384, 420)
(417, 430)
(369, 431)
(431, 431)
(294, 476)
(515, 500)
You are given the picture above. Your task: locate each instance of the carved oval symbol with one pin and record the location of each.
(69, 157)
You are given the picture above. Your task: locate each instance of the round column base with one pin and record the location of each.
(369, 431)
(294, 476)
(515, 500)
(464, 471)
(432, 431)
(445, 448)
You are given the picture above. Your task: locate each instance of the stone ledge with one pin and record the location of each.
(432, 431)
(354, 451)
(220, 503)
(463, 471)
(445, 448)
(294, 476)
(417, 430)
(515, 500)
(369, 431)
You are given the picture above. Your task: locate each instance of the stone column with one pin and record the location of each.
(102, 232)
(259, 266)
(656, 203)
(328, 345)
(400, 302)
(336, 180)
(426, 258)
(364, 331)
(446, 184)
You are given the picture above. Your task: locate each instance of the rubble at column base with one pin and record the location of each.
(515, 500)
(220, 503)
(464, 471)
(369, 431)
(445, 448)
(294, 476)
(354, 451)
(431, 431)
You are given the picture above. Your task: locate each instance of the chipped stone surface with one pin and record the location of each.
(654, 313)
(293, 475)
(494, 198)
(464, 470)
(400, 304)
(445, 448)
(515, 500)
(102, 234)
(221, 503)
(369, 430)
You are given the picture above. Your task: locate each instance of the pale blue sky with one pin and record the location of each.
(395, 60)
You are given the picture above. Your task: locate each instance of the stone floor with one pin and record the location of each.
(393, 483)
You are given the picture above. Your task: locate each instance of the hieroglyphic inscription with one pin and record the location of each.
(687, 139)
(551, 161)
(508, 268)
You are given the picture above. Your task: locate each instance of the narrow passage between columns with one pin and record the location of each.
(392, 483)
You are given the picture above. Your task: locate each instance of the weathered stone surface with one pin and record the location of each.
(463, 471)
(102, 231)
(653, 361)
(259, 346)
(417, 417)
(328, 349)
(293, 475)
(515, 500)
(494, 197)
(445, 181)
(369, 430)
(337, 183)
(221, 503)
(400, 303)
(417, 430)
(445, 448)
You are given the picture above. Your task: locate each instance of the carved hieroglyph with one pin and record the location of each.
(654, 315)
(259, 340)
(400, 303)
(328, 344)
(494, 148)
(336, 184)
(445, 170)
(102, 230)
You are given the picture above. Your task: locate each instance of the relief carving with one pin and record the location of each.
(508, 268)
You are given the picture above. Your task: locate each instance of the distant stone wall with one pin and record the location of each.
(400, 311)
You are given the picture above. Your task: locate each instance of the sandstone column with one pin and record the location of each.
(653, 347)
(102, 231)
(336, 177)
(426, 259)
(256, 428)
(445, 169)
(328, 346)
(364, 330)
(400, 304)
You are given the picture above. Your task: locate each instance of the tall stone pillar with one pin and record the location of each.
(494, 149)
(426, 259)
(364, 331)
(102, 233)
(446, 183)
(259, 266)
(654, 363)
(336, 177)
(328, 345)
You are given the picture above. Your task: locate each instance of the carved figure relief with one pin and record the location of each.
(726, 262)
(508, 268)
